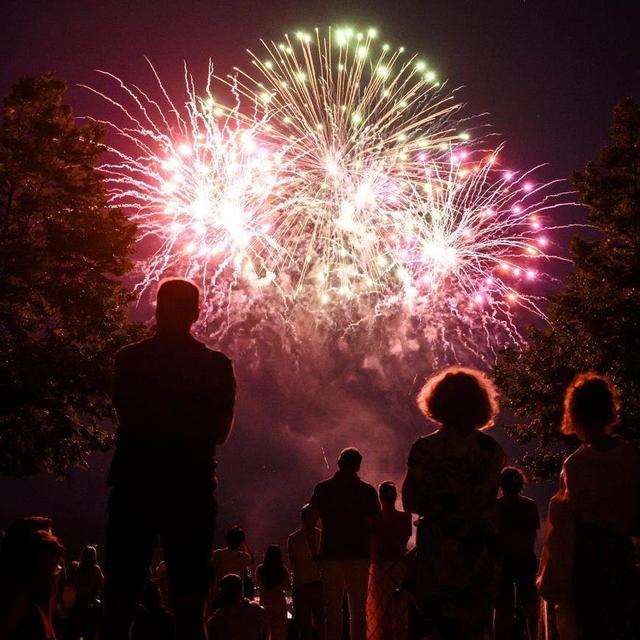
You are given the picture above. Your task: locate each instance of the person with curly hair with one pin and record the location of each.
(452, 483)
(587, 568)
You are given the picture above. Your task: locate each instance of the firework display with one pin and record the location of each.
(333, 174)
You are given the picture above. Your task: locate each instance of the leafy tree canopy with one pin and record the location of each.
(63, 252)
(595, 319)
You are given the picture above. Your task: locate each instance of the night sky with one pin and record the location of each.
(547, 72)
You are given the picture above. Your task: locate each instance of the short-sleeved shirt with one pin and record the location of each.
(242, 621)
(226, 561)
(172, 395)
(305, 568)
(346, 505)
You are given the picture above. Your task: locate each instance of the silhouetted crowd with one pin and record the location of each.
(472, 574)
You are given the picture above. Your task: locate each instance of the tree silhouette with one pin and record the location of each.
(595, 320)
(63, 252)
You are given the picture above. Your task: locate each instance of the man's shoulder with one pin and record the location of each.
(216, 358)
(135, 348)
(428, 441)
(252, 605)
(135, 354)
(323, 485)
(219, 553)
(528, 503)
(296, 535)
(367, 488)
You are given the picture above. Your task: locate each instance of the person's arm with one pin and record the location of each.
(414, 491)
(408, 529)
(99, 579)
(290, 551)
(227, 401)
(245, 548)
(313, 518)
(535, 515)
(213, 568)
(373, 508)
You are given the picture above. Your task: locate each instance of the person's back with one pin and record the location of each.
(88, 576)
(450, 463)
(244, 620)
(27, 597)
(302, 548)
(235, 558)
(225, 561)
(346, 505)
(588, 567)
(390, 535)
(518, 524)
(273, 580)
(174, 400)
(153, 621)
(172, 395)
(452, 483)
(603, 485)
(238, 618)
(387, 601)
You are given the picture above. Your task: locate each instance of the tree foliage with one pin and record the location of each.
(595, 319)
(63, 252)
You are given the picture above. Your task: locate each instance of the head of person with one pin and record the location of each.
(591, 407)
(388, 493)
(21, 529)
(272, 571)
(350, 460)
(512, 481)
(459, 398)
(231, 588)
(42, 564)
(89, 557)
(177, 305)
(234, 537)
(16, 544)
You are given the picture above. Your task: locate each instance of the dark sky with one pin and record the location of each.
(548, 73)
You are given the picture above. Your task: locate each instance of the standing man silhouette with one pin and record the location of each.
(174, 399)
(346, 506)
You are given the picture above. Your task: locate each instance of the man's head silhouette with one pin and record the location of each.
(177, 305)
(350, 460)
(231, 588)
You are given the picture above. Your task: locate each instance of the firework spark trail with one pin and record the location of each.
(334, 181)
(350, 123)
(205, 189)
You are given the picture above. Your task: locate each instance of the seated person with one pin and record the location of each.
(237, 618)
(153, 621)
